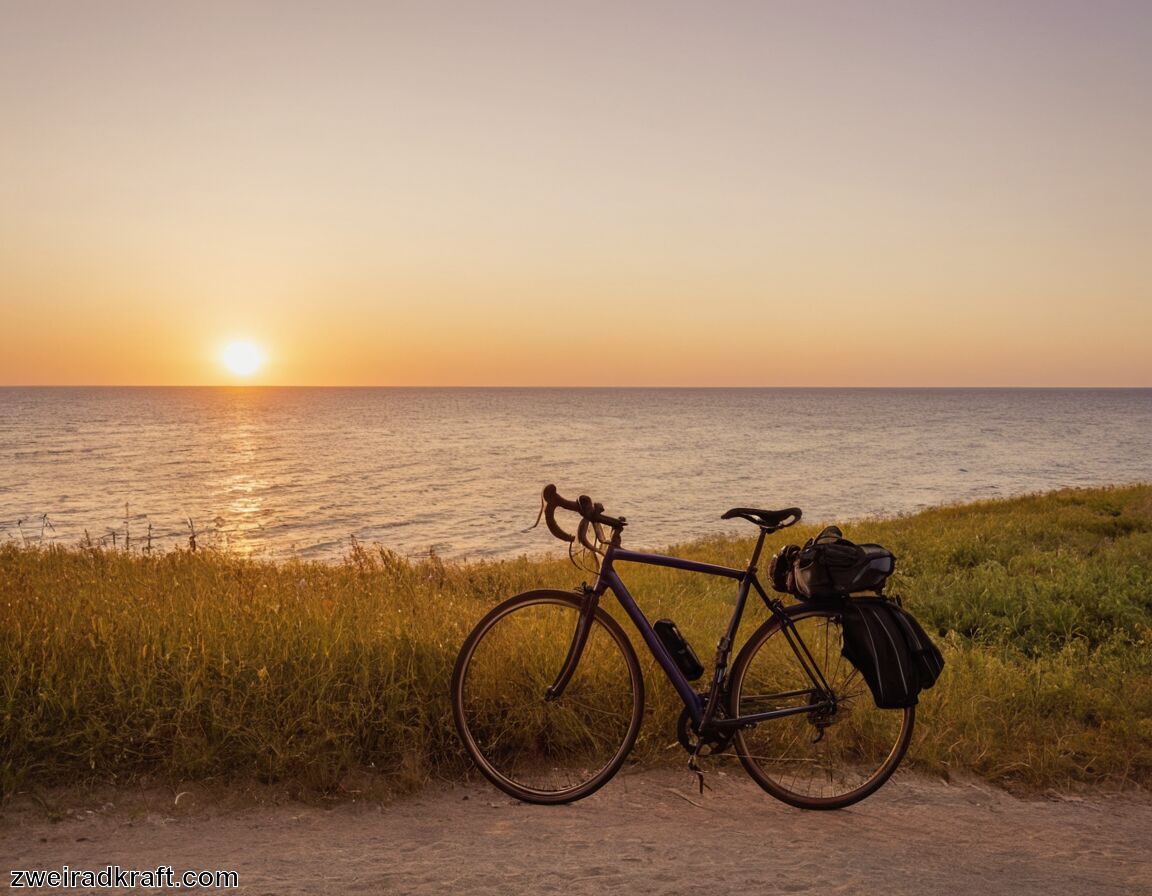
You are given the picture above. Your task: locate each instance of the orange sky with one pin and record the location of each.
(577, 194)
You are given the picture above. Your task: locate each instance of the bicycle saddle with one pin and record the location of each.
(766, 519)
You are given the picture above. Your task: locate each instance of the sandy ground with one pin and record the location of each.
(646, 832)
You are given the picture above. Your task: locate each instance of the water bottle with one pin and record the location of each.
(680, 649)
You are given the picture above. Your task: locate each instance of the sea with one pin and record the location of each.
(301, 472)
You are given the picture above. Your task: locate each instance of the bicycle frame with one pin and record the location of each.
(702, 708)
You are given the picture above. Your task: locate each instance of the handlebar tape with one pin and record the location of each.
(551, 501)
(551, 496)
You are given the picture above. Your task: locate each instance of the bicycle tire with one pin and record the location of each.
(538, 750)
(813, 760)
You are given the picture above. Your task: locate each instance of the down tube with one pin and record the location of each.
(659, 651)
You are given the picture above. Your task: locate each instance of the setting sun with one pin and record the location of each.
(242, 358)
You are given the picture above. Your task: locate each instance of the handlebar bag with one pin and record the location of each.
(891, 650)
(830, 565)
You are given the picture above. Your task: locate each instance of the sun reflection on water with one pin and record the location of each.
(242, 516)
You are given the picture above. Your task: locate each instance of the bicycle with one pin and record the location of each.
(548, 695)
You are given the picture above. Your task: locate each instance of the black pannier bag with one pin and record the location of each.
(891, 650)
(830, 565)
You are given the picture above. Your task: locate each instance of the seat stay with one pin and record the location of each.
(788, 628)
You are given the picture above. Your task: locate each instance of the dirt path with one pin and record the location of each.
(644, 833)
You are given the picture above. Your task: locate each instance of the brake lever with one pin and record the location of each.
(582, 534)
(598, 509)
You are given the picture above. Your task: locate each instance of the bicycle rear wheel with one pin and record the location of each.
(539, 750)
(823, 759)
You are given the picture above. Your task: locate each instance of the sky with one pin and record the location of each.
(577, 193)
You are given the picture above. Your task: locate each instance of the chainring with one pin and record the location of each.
(688, 738)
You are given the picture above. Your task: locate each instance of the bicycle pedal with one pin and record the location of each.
(694, 767)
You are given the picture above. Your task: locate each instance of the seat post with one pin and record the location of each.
(759, 547)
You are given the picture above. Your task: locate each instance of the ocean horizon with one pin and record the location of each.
(283, 471)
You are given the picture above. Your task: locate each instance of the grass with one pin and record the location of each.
(208, 666)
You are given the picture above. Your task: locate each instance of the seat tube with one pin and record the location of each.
(724, 647)
(756, 553)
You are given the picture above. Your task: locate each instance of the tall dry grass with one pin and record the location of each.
(208, 665)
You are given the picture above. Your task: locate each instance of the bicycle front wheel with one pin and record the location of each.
(546, 750)
(822, 759)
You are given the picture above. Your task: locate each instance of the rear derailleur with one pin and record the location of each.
(826, 716)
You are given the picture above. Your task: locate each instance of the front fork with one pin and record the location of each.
(589, 600)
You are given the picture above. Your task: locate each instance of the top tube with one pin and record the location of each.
(710, 569)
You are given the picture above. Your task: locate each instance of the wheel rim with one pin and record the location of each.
(535, 748)
(816, 760)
